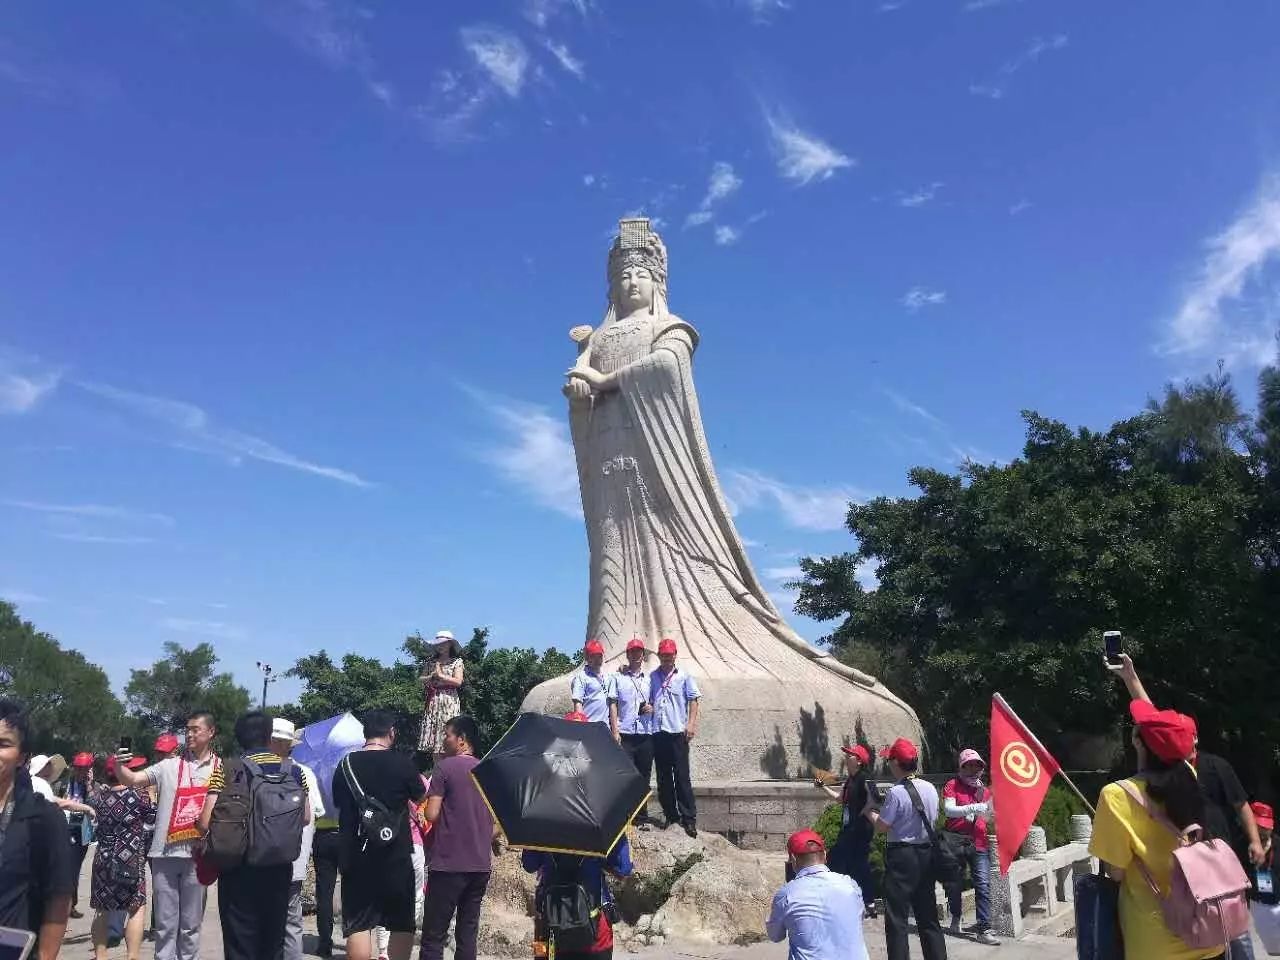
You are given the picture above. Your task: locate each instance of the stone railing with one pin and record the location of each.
(1039, 892)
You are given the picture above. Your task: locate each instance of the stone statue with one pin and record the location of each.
(666, 560)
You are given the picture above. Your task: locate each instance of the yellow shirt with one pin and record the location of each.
(1123, 831)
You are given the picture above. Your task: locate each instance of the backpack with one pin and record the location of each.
(1207, 905)
(943, 859)
(377, 826)
(572, 918)
(258, 818)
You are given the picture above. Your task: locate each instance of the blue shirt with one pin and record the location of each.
(670, 696)
(590, 873)
(630, 690)
(820, 914)
(589, 689)
(905, 825)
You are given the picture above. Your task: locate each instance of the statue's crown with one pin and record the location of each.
(637, 245)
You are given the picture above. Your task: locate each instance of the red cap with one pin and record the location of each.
(635, 643)
(804, 841)
(577, 716)
(902, 750)
(667, 646)
(1170, 735)
(82, 761)
(859, 751)
(166, 743)
(1265, 816)
(593, 646)
(133, 764)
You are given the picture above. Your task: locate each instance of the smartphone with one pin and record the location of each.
(1113, 642)
(15, 944)
(126, 743)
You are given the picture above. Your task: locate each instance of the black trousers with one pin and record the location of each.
(78, 850)
(325, 850)
(448, 893)
(675, 790)
(639, 747)
(253, 905)
(908, 888)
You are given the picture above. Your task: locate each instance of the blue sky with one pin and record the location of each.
(285, 286)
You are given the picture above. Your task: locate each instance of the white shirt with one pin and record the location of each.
(309, 831)
(820, 914)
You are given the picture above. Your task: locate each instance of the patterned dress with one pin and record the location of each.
(119, 866)
(443, 704)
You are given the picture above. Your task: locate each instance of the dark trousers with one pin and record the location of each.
(858, 854)
(908, 888)
(639, 747)
(325, 851)
(675, 790)
(605, 954)
(78, 850)
(253, 905)
(446, 893)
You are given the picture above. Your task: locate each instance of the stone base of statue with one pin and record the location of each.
(759, 727)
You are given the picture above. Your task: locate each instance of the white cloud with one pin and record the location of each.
(865, 574)
(541, 12)
(1020, 207)
(501, 55)
(14, 595)
(1232, 271)
(203, 628)
(698, 218)
(20, 393)
(974, 5)
(588, 179)
(918, 297)
(762, 10)
(535, 454)
(76, 537)
(191, 428)
(909, 406)
(727, 236)
(1038, 47)
(809, 508)
(803, 157)
(93, 511)
(567, 60)
(724, 182)
(783, 574)
(920, 196)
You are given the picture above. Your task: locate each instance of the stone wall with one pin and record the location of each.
(755, 815)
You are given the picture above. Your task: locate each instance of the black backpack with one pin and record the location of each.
(377, 826)
(258, 818)
(571, 914)
(945, 863)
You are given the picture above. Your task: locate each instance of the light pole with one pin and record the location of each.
(268, 676)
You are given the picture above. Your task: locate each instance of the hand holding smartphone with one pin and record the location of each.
(1113, 644)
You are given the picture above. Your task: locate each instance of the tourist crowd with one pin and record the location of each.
(414, 852)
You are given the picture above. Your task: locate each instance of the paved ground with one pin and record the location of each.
(77, 945)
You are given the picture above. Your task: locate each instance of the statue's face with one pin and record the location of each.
(633, 290)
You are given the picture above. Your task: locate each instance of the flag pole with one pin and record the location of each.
(1026, 732)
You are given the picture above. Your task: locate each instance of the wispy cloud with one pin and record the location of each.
(21, 393)
(724, 182)
(189, 427)
(203, 628)
(92, 511)
(996, 88)
(803, 157)
(14, 595)
(910, 406)
(1224, 310)
(918, 297)
(972, 6)
(809, 508)
(534, 453)
(77, 537)
(783, 574)
(1020, 207)
(500, 54)
(727, 236)
(920, 196)
(762, 11)
(567, 60)
(542, 12)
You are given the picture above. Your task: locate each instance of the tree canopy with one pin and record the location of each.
(1002, 577)
(183, 681)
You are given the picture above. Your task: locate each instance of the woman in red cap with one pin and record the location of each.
(1265, 899)
(1128, 838)
(851, 853)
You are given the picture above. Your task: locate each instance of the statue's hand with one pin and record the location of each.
(577, 390)
(592, 377)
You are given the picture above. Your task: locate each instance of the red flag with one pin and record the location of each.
(1021, 769)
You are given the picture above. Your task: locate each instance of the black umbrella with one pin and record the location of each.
(560, 786)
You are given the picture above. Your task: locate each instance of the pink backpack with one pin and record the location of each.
(1207, 904)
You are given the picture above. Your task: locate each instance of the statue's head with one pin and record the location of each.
(637, 268)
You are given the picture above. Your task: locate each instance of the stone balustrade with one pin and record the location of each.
(1040, 886)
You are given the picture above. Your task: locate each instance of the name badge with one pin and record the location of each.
(1265, 882)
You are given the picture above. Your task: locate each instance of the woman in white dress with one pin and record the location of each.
(441, 681)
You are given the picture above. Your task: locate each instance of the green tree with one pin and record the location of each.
(497, 681)
(164, 695)
(70, 700)
(1001, 578)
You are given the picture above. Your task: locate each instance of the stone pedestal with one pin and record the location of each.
(757, 727)
(754, 815)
